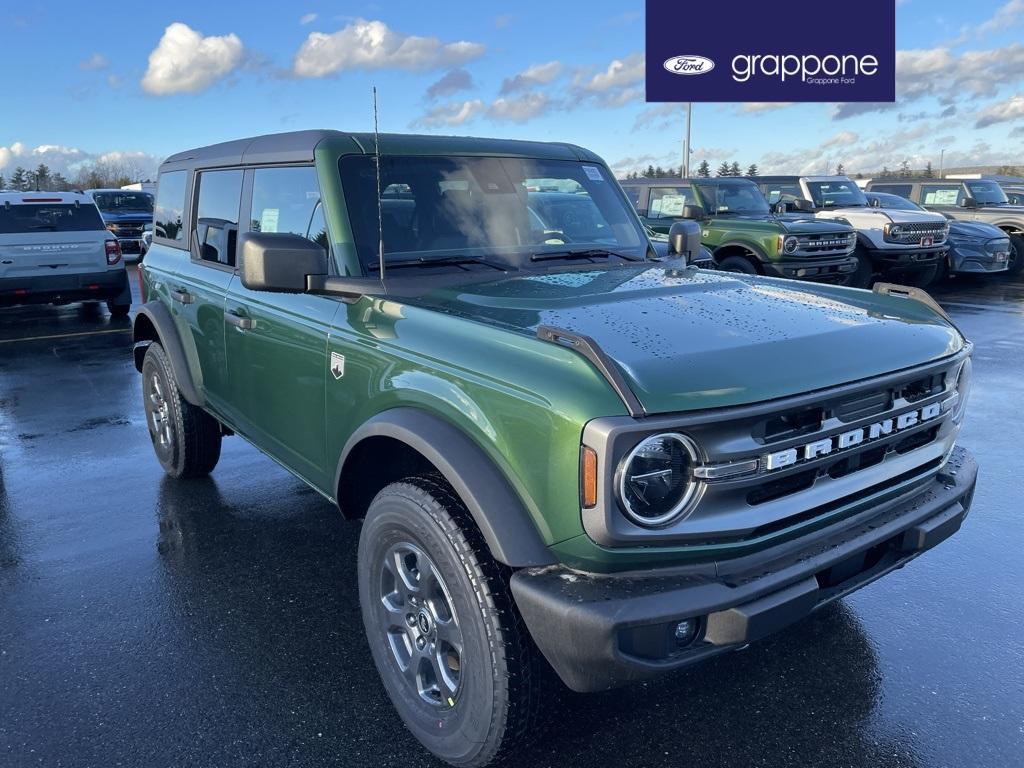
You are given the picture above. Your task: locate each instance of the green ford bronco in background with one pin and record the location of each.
(741, 231)
(566, 454)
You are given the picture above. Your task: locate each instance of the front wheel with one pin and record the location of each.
(1015, 264)
(450, 647)
(864, 274)
(737, 264)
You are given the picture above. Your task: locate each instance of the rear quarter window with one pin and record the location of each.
(169, 210)
(39, 218)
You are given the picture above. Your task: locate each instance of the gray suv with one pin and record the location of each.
(980, 200)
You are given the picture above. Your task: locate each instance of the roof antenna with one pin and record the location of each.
(380, 203)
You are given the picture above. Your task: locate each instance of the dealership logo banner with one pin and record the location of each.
(800, 50)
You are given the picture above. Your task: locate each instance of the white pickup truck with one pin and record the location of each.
(906, 246)
(55, 249)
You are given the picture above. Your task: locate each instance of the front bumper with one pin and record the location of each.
(833, 268)
(60, 288)
(601, 631)
(903, 257)
(977, 259)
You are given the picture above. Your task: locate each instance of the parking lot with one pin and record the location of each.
(145, 622)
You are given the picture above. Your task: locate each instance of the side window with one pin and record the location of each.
(903, 190)
(170, 206)
(668, 202)
(775, 192)
(633, 193)
(941, 194)
(216, 225)
(288, 200)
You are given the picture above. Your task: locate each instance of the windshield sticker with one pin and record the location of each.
(593, 172)
(942, 197)
(672, 205)
(268, 219)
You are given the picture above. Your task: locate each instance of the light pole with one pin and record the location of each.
(942, 156)
(686, 141)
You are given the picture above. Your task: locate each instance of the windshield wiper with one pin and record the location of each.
(582, 253)
(423, 261)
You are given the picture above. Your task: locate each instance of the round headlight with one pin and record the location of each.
(790, 244)
(655, 482)
(963, 389)
(895, 230)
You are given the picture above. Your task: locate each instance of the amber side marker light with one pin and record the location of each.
(588, 477)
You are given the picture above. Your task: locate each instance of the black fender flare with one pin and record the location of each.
(496, 508)
(167, 335)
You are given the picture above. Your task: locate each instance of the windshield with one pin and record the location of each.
(49, 217)
(124, 201)
(987, 192)
(894, 202)
(493, 209)
(732, 196)
(841, 193)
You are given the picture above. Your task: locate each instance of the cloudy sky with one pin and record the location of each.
(85, 84)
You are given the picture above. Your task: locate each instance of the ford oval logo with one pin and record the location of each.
(689, 65)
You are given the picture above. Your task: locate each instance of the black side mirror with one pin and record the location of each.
(875, 202)
(968, 202)
(684, 240)
(694, 212)
(800, 204)
(279, 261)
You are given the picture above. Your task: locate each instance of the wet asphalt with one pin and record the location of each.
(146, 622)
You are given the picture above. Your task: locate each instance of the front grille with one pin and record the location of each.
(911, 234)
(825, 244)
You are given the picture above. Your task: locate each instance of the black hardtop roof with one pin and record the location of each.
(299, 146)
(657, 181)
(920, 180)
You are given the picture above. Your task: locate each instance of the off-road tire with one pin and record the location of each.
(864, 274)
(118, 310)
(737, 264)
(1016, 263)
(193, 445)
(919, 278)
(496, 706)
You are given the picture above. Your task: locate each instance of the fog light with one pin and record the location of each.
(685, 631)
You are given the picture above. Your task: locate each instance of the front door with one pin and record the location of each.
(276, 343)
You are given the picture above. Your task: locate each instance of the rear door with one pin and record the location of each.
(48, 237)
(276, 343)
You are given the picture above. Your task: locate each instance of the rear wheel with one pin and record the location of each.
(736, 264)
(118, 310)
(450, 647)
(1016, 261)
(186, 439)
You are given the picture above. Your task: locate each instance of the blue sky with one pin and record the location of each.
(137, 84)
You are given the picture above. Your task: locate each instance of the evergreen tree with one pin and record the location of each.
(752, 169)
(928, 172)
(59, 183)
(43, 178)
(886, 173)
(649, 173)
(18, 180)
(840, 170)
(704, 170)
(905, 169)
(735, 170)
(659, 172)
(724, 169)
(2, 183)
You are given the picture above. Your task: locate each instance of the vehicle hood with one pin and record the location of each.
(881, 215)
(114, 217)
(687, 339)
(973, 229)
(794, 224)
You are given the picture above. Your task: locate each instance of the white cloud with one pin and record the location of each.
(620, 73)
(754, 107)
(372, 45)
(659, 117)
(455, 113)
(70, 160)
(1001, 112)
(534, 75)
(451, 82)
(185, 61)
(96, 61)
(502, 21)
(307, 18)
(519, 109)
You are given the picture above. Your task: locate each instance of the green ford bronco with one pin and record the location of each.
(567, 454)
(743, 233)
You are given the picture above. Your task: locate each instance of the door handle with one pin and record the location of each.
(182, 297)
(242, 323)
